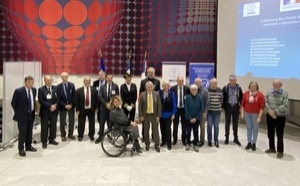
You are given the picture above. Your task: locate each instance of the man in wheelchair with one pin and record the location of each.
(119, 119)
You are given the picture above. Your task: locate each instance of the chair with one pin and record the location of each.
(115, 140)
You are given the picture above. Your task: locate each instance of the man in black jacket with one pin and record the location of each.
(49, 100)
(232, 99)
(23, 104)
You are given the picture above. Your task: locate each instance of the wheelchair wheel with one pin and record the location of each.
(113, 143)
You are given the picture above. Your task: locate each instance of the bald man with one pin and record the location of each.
(66, 93)
(49, 100)
(276, 105)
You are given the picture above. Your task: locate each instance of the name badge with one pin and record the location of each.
(49, 96)
(113, 92)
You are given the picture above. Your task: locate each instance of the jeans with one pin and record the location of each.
(252, 127)
(213, 119)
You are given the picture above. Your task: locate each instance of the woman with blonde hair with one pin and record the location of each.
(118, 117)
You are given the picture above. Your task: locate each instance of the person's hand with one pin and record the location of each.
(223, 110)
(53, 108)
(204, 115)
(157, 119)
(133, 123)
(68, 107)
(96, 110)
(108, 106)
(272, 114)
(193, 120)
(77, 112)
(172, 117)
(242, 115)
(142, 118)
(258, 120)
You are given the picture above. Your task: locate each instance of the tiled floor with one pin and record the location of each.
(84, 163)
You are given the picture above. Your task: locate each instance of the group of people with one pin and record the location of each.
(159, 106)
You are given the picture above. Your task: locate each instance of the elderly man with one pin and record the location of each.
(86, 103)
(156, 85)
(214, 111)
(150, 112)
(276, 105)
(66, 93)
(49, 100)
(232, 99)
(204, 94)
(180, 91)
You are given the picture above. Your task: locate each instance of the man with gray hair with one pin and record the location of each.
(214, 111)
(232, 99)
(276, 105)
(204, 94)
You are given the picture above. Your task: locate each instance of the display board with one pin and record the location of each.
(172, 69)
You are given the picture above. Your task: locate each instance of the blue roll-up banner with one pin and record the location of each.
(205, 71)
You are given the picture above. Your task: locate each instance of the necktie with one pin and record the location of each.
(65, 89)
(149, 104)
(87, 97)
(29, 101)
(180, 98)
(108, 93)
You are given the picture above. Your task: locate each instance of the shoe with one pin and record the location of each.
(142, 139)
(209, 144)
(32, 149)
(187, 147)
(196, 148)
(248, 146)
(138, 147)
(279, 155)
(98, 140)
(253, 147)
(63, 138)
(226, 141)
(53, 142)
(184, 143)
(72, 137)
(92, 138)
(79, 139)
(174, 142)
(217, 144)
(169, 147)
(147, 147)
(236, 141)
(200, 144)
(157, 149)
(162, 144)
(22, 153)
(270, 151)
(44, 145)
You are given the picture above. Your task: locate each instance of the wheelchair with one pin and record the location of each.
(115, 141)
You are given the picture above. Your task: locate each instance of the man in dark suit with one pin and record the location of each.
(180, 91)
(49, 100)
(128, 92)
(108, 90)
(66, 93)
(98, 84)
(156, 85)
(86, 104)
(150, 112)
(23, 104)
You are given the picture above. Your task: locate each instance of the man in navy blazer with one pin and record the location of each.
(180, 91)
(49, 100)
(66, 93)
(108, 90)
(23, 104)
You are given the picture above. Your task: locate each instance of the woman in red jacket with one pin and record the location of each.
(253, 105)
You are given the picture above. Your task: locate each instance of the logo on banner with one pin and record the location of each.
(174, 73)
(252, 9)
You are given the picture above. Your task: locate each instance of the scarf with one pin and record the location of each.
(252, 94)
